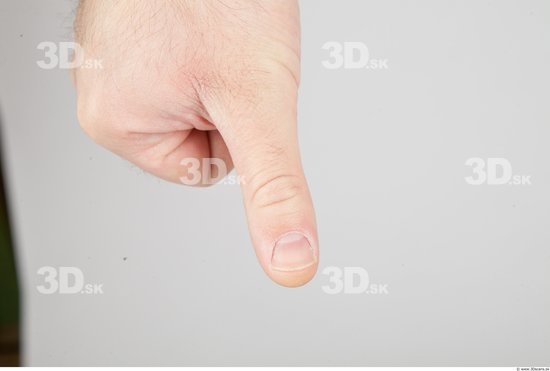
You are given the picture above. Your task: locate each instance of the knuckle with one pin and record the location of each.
(89, 118)
(99, 120)
(276, 190)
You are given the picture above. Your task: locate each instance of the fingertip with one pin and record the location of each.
(294, 260)
(293, 278)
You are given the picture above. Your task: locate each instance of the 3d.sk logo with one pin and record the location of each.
(494, 171)
(351, 280)
(66, 280)
(351, 55)
(65, 55)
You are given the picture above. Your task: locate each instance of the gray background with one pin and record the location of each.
(384, 151)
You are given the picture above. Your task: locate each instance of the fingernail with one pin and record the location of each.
(292, 253)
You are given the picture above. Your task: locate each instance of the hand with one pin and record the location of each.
(189, 79)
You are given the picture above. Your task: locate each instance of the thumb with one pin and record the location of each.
(258, 124)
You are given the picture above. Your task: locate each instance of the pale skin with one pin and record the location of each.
(206, 79)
